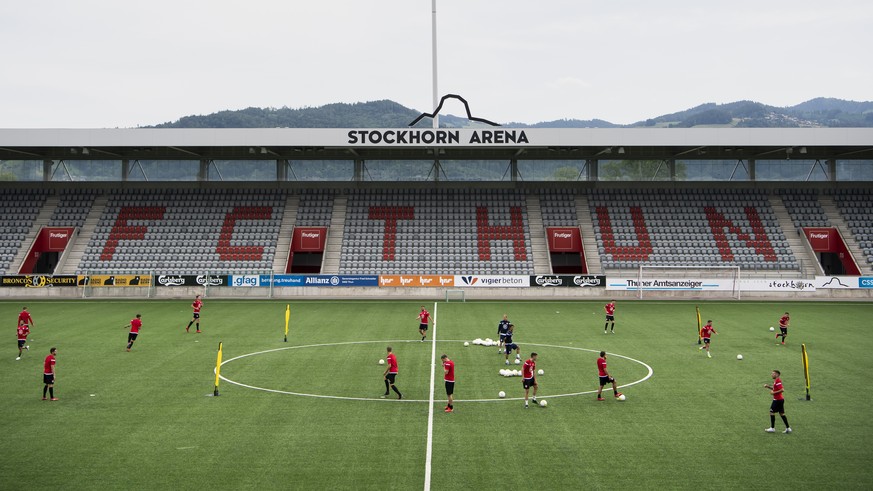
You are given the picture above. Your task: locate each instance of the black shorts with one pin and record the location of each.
(527, 383)
(705, 340)
(422, 327)
(132, 336)
(606, 380)
(502, 335)
(48, 378)
(777, 406)
(510, 347)
(196, 315)
(783, 330)
(390, 378)
(450, 388)
(610, 318)
(21, 343)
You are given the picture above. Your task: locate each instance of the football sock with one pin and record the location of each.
(451, 406)
(772, 421)
(189, 324)
(52, 392)
(44, 389)
(387, 385)
(785, 420)
(395, 390)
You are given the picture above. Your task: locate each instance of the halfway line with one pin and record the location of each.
(429, 453)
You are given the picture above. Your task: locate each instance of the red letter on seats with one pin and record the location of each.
(487, 232)
(122, 231)
(390, 214)
(227, 252)
(761, 243)
(641, 251)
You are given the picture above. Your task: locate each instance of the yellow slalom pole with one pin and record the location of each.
(217, 370)
(287, 317)
(805, 367)
(699, 341)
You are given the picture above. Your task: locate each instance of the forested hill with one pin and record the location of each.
(820, 112)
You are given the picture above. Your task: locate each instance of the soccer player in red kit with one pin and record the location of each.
(778, 404)
(706, 333)
(423, 321)
(391, 374)
(605, 378)
(449, 369)
(783, 327)
(48, 374)
(610, 315)
(528, 377)
(135, 325)
(23, 331)
(196, 306)
(25, 318)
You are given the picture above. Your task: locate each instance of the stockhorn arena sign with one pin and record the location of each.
(437, 137)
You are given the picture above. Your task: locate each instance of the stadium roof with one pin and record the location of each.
(491, 143)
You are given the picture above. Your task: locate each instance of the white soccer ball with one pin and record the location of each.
(381, 362)
(501, 394)
(557, 312)
(621, 397)
(517, 361)
(739, 357)
(772, 328)
(516, 373)
(466, 343)
(544, 403)
(540, 371)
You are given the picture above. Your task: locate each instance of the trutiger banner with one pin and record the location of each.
(38, 281)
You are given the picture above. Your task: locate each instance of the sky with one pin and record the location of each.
(121, 64)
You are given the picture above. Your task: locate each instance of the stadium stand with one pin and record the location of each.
(688, 227)
(186, 231)
(439, 231)
(73, 207)
(436, 231)
(855, 206)
(804, 208)
(20, 208)
(315, 208)
(559, 208)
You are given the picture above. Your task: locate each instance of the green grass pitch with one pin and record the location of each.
(144, 419)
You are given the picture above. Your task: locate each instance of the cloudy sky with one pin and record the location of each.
(112, 63)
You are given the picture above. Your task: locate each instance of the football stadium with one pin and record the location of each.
(272, 269)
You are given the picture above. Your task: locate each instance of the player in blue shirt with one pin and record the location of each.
(509, 345)
(502, 329)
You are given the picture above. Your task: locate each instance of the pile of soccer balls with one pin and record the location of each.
(484, 342)
(510, 373)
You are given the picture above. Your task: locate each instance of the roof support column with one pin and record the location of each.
(832, 170)
(513, 170)
(47, 169)
(125, 169)
(281, 170)
(203, 174)
(751, 163)
(359, 170)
